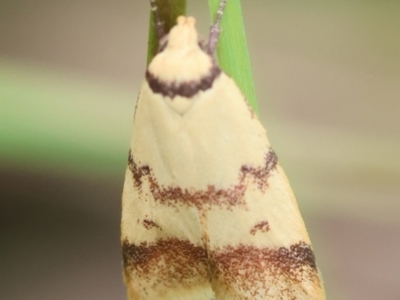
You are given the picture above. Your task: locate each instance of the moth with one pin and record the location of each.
(207, 211)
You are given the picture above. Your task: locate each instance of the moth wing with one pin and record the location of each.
(255, 237)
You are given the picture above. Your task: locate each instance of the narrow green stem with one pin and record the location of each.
(168, 10)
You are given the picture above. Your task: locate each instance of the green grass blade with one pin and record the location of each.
(232, 51)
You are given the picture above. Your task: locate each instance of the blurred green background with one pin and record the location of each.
(328, 81)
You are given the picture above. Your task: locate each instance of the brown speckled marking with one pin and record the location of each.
(251, 266)
(260, 174)
(184, 89)
(137, 172)
(260, 226)
(228, 197)
(149, 224)
(170, 260)
(200, 198)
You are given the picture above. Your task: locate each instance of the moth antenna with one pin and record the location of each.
(215, 29)
(158, 24)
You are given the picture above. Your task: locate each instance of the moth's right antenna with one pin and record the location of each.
(158, 24)
(215, 29)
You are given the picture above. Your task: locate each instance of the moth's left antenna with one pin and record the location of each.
(158, 24)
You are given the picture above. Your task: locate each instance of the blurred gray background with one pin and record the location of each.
(328, 81)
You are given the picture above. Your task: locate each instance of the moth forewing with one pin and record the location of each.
(207, 210)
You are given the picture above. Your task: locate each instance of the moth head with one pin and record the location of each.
(182, 69)
(183, 36)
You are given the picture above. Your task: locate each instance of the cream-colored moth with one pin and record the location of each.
(207, 211)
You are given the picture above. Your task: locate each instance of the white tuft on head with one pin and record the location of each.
(183, 34)
(182, 59)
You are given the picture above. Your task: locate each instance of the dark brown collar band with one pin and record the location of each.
(182, 88)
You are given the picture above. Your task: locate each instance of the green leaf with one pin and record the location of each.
(232, 51)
